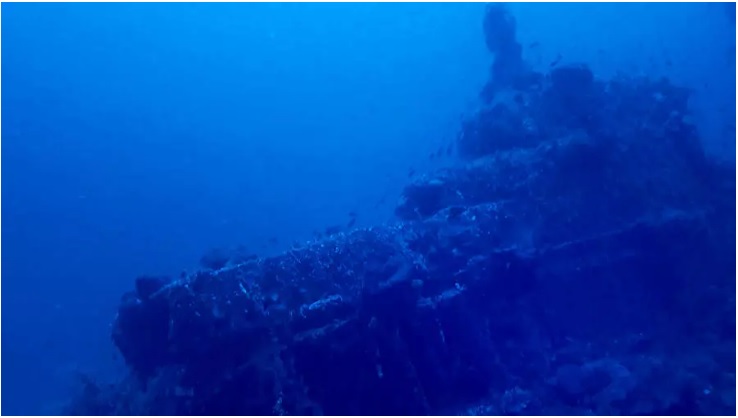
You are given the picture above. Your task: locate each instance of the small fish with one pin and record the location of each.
(450, 149)
(534, 44)
(555, 61)
(351, 223)
(273, 241)
(352, 214)
(411, 172)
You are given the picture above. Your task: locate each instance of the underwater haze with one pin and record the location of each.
(138, 137)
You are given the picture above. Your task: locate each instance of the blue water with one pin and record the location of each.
(136, 137)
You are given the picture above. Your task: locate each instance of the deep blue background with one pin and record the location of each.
(137, 136)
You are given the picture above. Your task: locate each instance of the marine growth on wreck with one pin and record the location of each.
(578, 260)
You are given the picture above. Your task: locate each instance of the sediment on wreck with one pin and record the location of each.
(579, 259)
